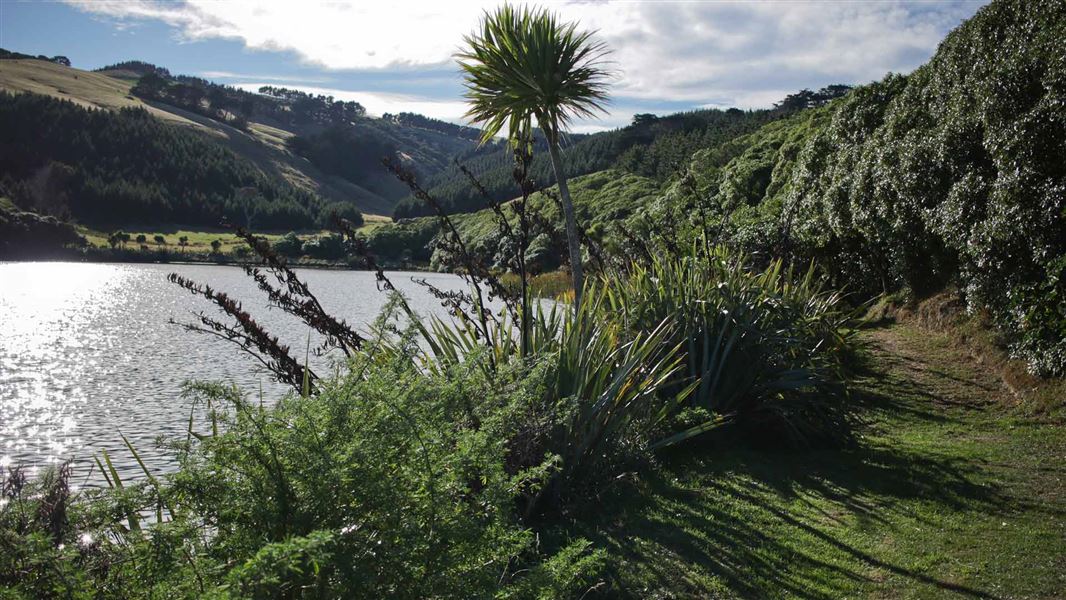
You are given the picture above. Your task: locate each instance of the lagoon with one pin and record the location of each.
(87, 353)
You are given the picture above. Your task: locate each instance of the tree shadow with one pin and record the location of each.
(737, 519)
(731, 516)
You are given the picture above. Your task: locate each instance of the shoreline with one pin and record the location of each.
(118, 256)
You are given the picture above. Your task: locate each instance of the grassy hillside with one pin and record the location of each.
(262, 145)
(652, 147)
(109, 168)
(85, 88)
(599, 199)
(951, 175)
(267, 145)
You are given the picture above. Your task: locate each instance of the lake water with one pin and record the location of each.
(87, 354)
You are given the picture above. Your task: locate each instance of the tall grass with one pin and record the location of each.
(606, 388)
(766, 347)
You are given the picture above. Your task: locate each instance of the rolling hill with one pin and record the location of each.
(266, 144)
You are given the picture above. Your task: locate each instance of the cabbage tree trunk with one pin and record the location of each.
(576, 272)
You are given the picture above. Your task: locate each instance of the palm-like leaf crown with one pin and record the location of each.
(526, 64)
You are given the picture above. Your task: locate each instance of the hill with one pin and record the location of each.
(248, 125)
(87, 89)
(113, 167)
(600, 199)
(951, 176)
(651, 147)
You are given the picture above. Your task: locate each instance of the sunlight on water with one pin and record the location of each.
(49, 313)
(87, 354)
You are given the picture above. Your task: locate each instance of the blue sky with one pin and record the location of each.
(395, 56)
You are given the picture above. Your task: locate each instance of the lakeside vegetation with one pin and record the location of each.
(786, 374)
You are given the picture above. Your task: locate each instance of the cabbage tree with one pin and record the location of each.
(524, 63)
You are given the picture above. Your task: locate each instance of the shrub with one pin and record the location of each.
(290, 245)
(394, 485)
(953, 173)
(767, 347)
(605, 388)
(328, 247)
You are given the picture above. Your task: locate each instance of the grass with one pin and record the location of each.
(553, 284)
(200, 239)
(91, 90)
(372, 222)
(954, 491)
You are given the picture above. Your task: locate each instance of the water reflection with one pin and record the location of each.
(86, 354)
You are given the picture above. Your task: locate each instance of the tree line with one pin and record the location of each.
(108, 168)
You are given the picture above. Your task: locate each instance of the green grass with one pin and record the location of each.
(200, 240)
(952, 491)
(599, 198)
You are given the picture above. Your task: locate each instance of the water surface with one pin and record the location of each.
(86, 352)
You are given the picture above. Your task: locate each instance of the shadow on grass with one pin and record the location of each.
(744, 522)
(767, 524)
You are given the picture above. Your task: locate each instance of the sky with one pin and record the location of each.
(396, 55)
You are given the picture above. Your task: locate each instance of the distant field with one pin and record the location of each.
(199, 241)
(372, 222)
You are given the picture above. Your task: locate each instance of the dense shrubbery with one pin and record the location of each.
(956, 173)
(28, 235)
(375, 486)
(768, 348)
(951, 175)
(113, 167)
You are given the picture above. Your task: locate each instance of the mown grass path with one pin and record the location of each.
(953, 491)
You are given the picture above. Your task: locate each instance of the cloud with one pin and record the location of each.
(230, 75)
(379, 103)
(745, 54)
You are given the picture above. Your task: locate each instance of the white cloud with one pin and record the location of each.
(229, 75)
(379, 103)
(745, 54)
